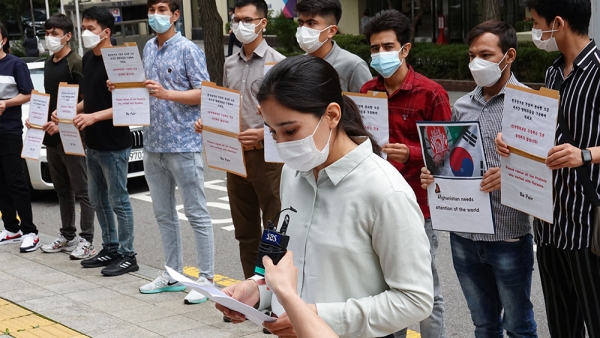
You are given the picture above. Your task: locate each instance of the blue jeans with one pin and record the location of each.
(495, 276)
(165, 171)
(107, 190)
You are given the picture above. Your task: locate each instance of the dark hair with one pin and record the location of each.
(323, 8)
(102, 16)
(288, 83)
(367, 12)
(29, 33)
(4, 32)
(389, 20)
(507, 36)
(59, 21)
(576, 12)
(174, 5)
(261, 6)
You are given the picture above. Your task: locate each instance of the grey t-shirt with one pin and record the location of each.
(353, 71)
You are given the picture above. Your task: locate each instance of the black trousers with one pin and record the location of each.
(571, 285)
(14, 193)
(232, 41)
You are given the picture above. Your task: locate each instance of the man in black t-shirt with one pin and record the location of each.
(68, 172)
(107, 153)
(15, 90)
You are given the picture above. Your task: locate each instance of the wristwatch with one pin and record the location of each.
(586, 155)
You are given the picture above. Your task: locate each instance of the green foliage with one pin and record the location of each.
(523, 26)
(285, 29)
(17, 48)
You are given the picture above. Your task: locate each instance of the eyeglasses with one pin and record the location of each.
(245, 21)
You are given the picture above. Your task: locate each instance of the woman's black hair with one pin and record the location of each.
(4, 33)
(308, 84)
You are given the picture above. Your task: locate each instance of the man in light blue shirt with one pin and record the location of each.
(175, 68)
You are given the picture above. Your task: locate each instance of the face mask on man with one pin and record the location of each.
(308, 38)
(547, 45)
(486, 73)
(246, 34)
(160, 23)
(386, 63)
(91, 40)
(303, 155)
(54, 44)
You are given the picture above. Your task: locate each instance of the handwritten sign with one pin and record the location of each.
(373, 108)
(529, 119)
(66, 101)
(71, 139)
(220, 108)
(224, 152)
(38, 108)
(123, 64)
(32, 144)
(131, 106)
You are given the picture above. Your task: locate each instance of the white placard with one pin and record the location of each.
(459, 205)
(66, 101)
(219, 297)
(131, 106)
(527, 186)
(224, 152)
(220, 108)
(123, 64)
(32, 144)
(71, 139)
(38, 109)
(529, 119)
(271, 154)
(373, 108)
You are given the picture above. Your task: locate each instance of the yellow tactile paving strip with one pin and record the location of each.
(22, 323)
(226, 281)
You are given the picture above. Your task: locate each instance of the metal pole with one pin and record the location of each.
(80, 49)
(47, 10)
(32, 17)
(62, 7)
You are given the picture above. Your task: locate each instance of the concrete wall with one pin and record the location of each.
(595, 22)
(350, 23)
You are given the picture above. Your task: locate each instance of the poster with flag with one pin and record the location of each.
(453, 153)
(452, 149)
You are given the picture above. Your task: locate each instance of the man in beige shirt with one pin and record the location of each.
(260, 189)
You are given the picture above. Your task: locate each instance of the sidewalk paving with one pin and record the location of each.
(61, 290)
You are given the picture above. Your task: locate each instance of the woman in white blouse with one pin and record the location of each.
(357, 237)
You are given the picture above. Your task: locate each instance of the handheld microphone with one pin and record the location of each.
(273, 244)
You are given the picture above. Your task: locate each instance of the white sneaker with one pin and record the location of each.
(84, 250)
(61, 244)
(162, 283)
(7, 237)
(195, 297)
(30, 243)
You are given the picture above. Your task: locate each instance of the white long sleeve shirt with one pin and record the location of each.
(359, 245)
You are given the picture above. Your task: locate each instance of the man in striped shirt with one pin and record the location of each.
(570, 272)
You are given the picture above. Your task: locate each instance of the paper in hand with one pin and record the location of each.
(219, 297)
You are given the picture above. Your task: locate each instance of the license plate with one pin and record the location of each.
(136, 155)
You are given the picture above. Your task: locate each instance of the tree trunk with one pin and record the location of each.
(491, 10)
(212, 27)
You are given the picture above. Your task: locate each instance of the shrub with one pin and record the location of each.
(285, 29)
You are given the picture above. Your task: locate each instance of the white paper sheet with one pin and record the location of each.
(459, 205)
(131, 107)
(271, 154)
(66, 104)
(32, 144)
(219, 297)
(529, 121)
(527, 186)
(71, 139)
(220, 108)
(224, 152)
(375, 114)
(123, 64)
(38, 109)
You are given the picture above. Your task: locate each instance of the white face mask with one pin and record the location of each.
(90, 40)
(303, 155)
(547, 45)
(486, 73)
(308, 38)
(246, 34)
(54, 44)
